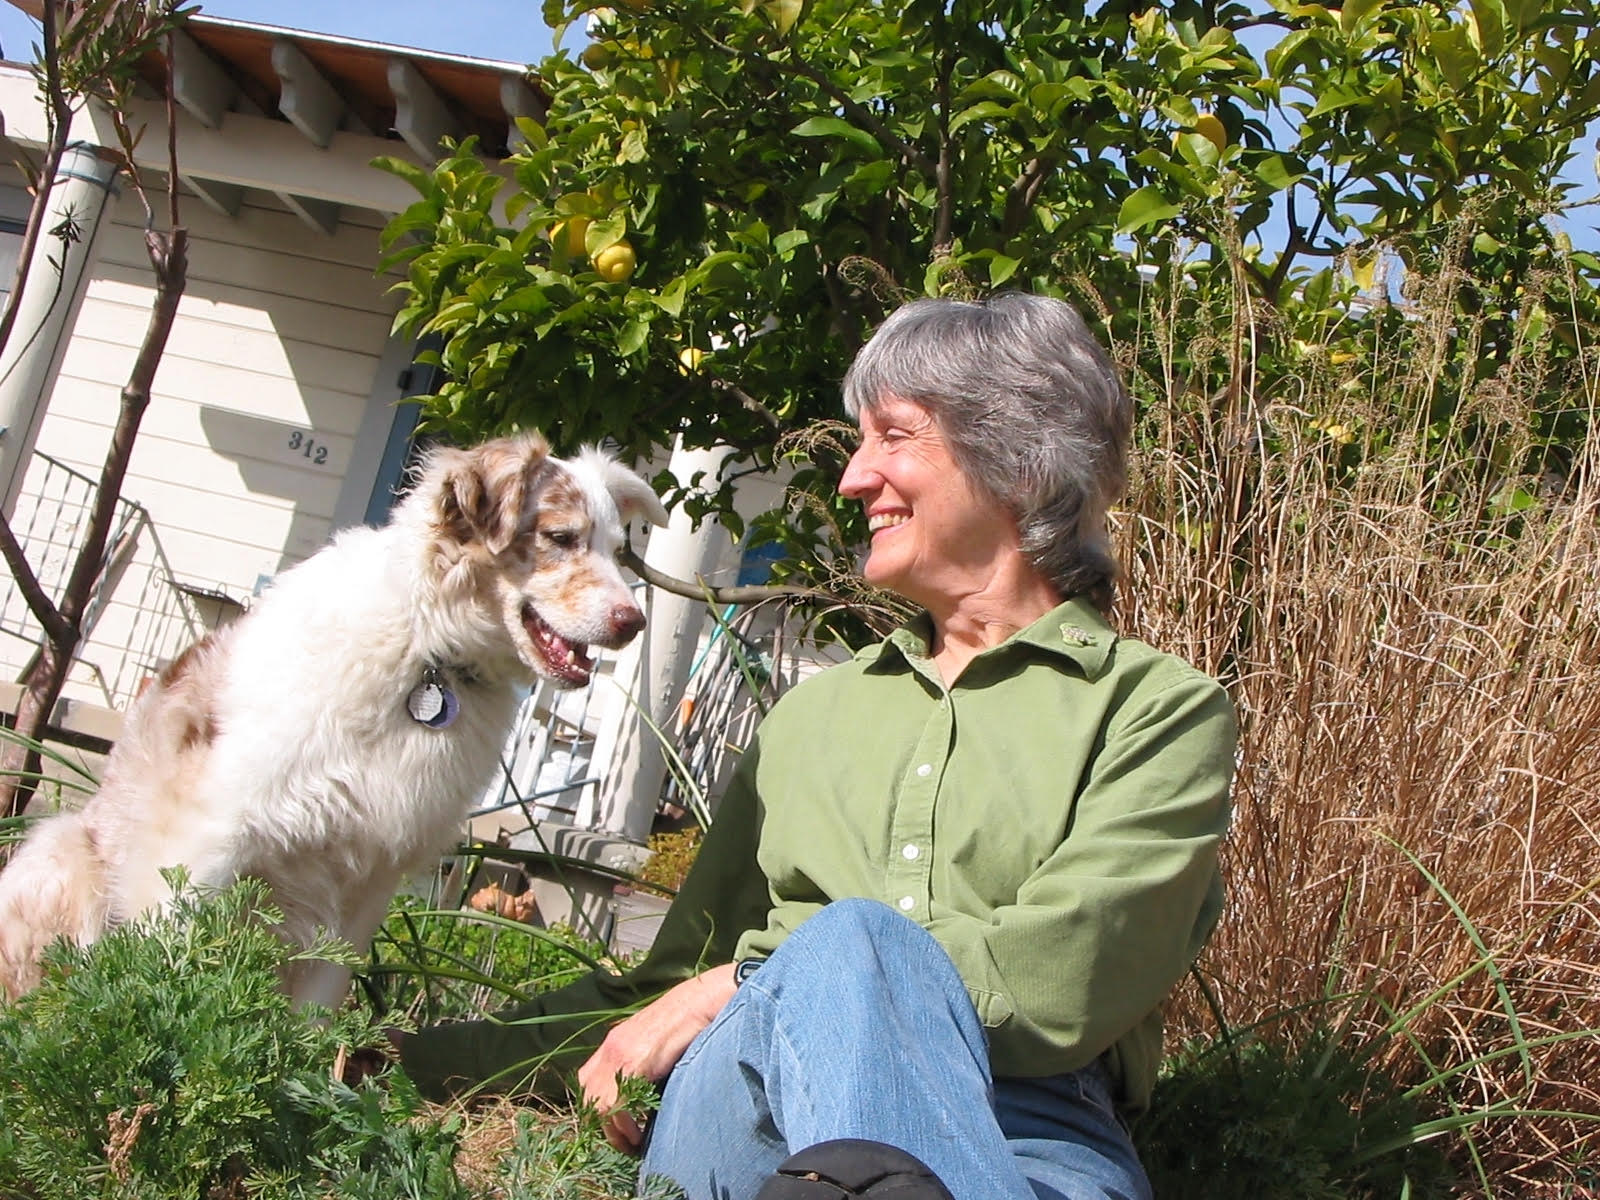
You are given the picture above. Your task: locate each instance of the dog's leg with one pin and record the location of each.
(54, 887)
(325, 983)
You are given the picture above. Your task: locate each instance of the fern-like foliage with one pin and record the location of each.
(165, 1061)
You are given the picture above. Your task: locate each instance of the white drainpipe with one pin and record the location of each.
(655, 667)
(48, 307)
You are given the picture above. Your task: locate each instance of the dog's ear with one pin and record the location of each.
(485, 491)
(632, 495)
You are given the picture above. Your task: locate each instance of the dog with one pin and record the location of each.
(331, 740)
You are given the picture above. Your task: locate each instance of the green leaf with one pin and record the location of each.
(1336, 98)
(533, 132)
(632, 337)
(1276, 173)
(601, 234)
(1354, 11)
(1456, 58)
(787, 242)
(1486, 26)
(670, 298)
(984, 110)
(1144, 207)
(410, 172)
(838, 127)
(784, 13)
(1002, 268)
(1318, 290)
(632, 149)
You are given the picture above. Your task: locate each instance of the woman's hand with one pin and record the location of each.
(649, 1044)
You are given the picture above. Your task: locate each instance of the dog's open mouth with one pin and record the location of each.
(568, 661)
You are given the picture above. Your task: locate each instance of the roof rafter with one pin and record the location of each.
(306, 98)
(421, 117)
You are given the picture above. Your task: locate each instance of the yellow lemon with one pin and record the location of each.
(616, 262)
(1209, 126)
(689, 360)
(569, 235)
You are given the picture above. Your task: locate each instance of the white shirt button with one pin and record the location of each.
(925, 770)
(910, 851)
(907, 903)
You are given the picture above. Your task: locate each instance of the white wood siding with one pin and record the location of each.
(243, 450)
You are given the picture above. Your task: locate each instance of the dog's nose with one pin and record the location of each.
(626, 620)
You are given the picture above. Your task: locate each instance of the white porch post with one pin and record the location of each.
(48, 307)
(655, 667)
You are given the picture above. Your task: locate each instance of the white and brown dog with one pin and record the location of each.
(330, 741)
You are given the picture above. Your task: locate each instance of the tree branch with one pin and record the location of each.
(749, 401)
(1022, 193)
(944, 217)
(39, 604)
(59, 110)
(169, 258)
(701, 590)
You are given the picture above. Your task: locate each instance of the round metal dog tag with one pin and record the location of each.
(448, 711)
(426, 702)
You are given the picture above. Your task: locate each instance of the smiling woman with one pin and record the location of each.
(954, 878)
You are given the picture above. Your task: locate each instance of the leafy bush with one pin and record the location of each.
(165, 1061)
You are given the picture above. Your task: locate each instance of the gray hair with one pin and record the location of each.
(1034, 413)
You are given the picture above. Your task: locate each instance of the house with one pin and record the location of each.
(278, 414)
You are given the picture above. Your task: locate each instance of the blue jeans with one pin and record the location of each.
(859, 1027)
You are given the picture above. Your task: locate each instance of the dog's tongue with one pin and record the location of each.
(569, 660)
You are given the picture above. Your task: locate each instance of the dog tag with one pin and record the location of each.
(431, 703)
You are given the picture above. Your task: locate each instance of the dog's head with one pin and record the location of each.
(533, 539)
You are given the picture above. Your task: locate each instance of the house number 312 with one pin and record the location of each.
(308, 446)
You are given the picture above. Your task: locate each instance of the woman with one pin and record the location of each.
(954, 878)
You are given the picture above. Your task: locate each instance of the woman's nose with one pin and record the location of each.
(858, 475)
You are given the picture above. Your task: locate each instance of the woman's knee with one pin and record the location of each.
(859, 922)
(863, 946)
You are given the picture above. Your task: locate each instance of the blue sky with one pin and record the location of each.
(506, 30)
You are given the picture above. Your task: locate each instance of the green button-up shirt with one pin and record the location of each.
(1052, 819)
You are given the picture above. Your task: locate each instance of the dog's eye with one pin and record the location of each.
(567, 539)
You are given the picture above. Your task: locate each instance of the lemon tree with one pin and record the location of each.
(750, 185)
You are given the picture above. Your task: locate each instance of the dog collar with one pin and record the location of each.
(432, 702)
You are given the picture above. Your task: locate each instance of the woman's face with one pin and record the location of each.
(935, 538)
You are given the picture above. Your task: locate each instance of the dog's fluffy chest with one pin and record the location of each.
(316, 746)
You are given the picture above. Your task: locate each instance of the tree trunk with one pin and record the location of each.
(42, 684)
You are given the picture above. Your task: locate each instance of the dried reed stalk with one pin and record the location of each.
(1410, 661)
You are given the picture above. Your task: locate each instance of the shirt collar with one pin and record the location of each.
(1075, 630)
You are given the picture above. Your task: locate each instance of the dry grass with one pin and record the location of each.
(1409, 663)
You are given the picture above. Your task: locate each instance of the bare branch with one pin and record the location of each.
(59, 110)
(701, 590)
(39, 604)
(169, 258)
(1022, 193)
(944, 217)
(749, 401)
(172, 128)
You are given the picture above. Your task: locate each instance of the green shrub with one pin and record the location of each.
(165, 1061)
(1262, 1121)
